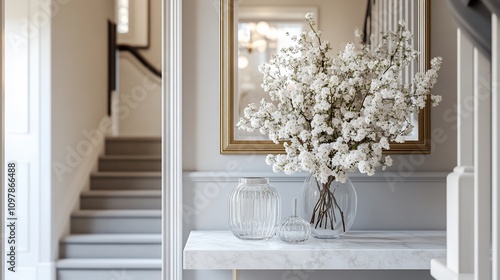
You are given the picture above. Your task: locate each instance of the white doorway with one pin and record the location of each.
(32, 139)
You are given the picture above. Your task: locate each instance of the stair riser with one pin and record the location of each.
(125, 183)
(138, 147)
(108, 203)
(123, 257)
(130, 165)
(115, 225)
(147, 251)
(106, 274)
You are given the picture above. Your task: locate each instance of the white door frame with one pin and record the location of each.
(172, 140)
(35, 254)
(2, 134)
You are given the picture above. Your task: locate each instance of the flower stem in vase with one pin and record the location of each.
(324, 210)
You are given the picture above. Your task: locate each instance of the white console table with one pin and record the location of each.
(411, 250)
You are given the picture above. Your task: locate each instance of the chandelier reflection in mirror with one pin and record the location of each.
(253, 35)
(258, 42)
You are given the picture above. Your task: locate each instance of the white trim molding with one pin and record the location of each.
(48, 249)
(482, 166)
(2, 131)
(495, 149)
(172, 141)
(381, 177)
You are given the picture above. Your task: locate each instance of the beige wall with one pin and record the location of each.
(153, 53)
(139, 95)
(140, 101)
(79, 99)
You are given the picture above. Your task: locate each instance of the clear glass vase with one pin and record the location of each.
(330, 208)
(254, 209)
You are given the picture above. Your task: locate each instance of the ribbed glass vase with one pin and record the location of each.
(254, 209)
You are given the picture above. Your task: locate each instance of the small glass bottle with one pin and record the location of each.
(294, 229)
(254, 209)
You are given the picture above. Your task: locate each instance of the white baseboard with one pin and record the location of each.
(23, 274)
(46, 271)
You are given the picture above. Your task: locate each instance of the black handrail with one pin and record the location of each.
(134, 51)
(111, 62)
(367, 28)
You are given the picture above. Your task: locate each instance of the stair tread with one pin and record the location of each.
(133, 138)
(123, 219)
(112, 238)
(116, 213)
(101, 263)
(122, 193)
(121, 174)
(130, 157)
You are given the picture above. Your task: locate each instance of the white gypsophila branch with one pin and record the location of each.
(339, 113)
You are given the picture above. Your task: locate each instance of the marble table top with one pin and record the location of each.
(207, 249)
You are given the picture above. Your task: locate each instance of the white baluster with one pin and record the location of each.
(482, 166)
(460, 190)
(495, 149)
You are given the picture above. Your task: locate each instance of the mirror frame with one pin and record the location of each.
(229, 145)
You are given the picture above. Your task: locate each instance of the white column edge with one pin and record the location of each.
(46, 249)
(2, 131)
(495, 149)
(482, 166)
(172, 140)
(465, 90)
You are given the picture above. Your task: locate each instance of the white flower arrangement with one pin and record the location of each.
(337, 114)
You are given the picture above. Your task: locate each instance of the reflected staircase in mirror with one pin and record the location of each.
(116, 234)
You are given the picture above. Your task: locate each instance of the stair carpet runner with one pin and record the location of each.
(117, 233)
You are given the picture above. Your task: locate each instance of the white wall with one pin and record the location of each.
(397, 202)
(140, 92)
(79, 101)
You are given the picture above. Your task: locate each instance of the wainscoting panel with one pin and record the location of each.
(386, 201)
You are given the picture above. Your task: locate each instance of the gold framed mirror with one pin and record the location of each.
(251, 32)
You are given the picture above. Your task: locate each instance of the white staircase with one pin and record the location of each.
(117, 233)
